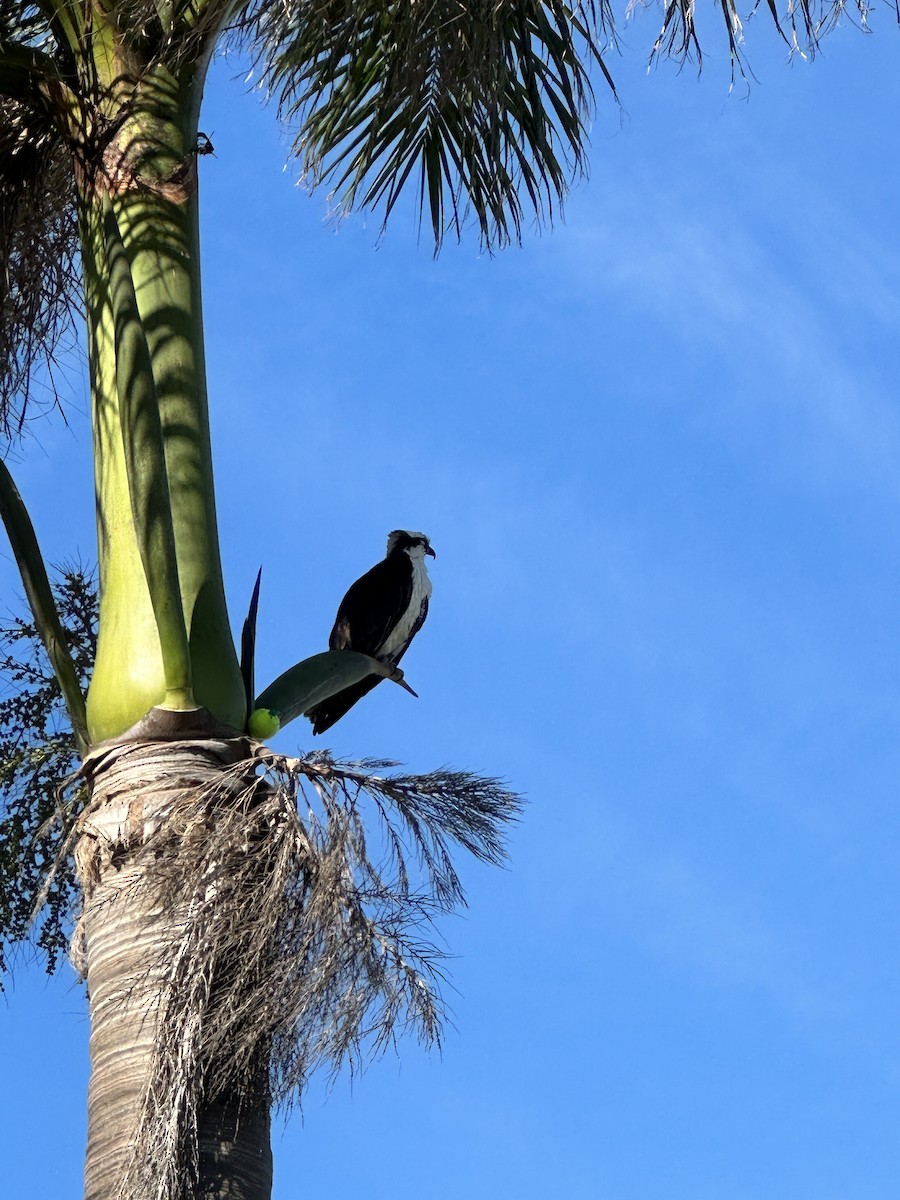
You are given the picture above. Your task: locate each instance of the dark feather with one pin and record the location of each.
(373, 606)
(366, 617)
(324, 715)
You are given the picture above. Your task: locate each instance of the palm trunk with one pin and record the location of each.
(220, 1148)
(164, 643)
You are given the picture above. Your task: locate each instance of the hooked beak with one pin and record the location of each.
(428, 550)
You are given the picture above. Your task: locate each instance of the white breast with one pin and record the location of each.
(421, 590)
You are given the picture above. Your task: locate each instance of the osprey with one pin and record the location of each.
(380, 615)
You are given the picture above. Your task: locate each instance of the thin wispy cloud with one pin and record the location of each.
(791, 347)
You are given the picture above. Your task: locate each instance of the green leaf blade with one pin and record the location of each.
(310, 682)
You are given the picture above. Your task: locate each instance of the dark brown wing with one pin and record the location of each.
(366, 615)
(373, 606)
(324, 715)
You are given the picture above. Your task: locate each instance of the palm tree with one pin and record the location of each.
(235, 931)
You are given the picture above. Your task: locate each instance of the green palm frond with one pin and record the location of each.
(39, 237)
(25, 23)
(482, 105)
(40, 282)
(801, 24)
(483, 102)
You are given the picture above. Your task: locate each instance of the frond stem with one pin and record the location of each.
(145, 461)
(23, 541)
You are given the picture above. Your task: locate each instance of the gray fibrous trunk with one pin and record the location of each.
(242, 928)
(128, 939)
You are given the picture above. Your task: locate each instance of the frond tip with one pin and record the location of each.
(302, 927)
(484, 102)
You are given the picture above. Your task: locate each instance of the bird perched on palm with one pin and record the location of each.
(380, 615)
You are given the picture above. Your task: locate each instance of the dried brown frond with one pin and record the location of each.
(304, 931)
(40, 278)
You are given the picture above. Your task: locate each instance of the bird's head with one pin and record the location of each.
(416, 545)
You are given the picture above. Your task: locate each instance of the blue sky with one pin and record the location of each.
(657, 453)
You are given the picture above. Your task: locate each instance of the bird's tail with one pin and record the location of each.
(324, 715)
